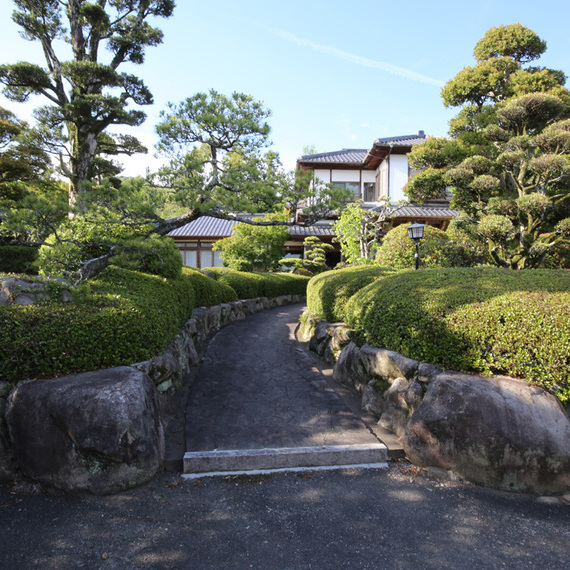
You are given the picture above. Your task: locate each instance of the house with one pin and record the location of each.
(195, 240)
(373, 175)
(376, 174)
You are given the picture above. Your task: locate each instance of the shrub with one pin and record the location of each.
(119, 318)
(157, 255)
(453, 248)
(18, 259)
(397, 250)
(250, 285)
(484, 320)
(208, 291)
(328, 293)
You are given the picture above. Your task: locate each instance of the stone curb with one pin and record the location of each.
(279, 458)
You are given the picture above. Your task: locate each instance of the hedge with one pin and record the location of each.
(328, 293)
(18, 259)
(118, 318)
(485, 320)
(250, 285)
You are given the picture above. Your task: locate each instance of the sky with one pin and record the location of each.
(335, 73)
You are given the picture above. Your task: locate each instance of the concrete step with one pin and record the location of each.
(244, 460)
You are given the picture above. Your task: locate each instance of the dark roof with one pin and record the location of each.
(426, 211)
(346, 155)
(208, 227)
(405, 140)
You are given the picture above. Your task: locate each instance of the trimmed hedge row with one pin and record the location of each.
(328, 293)
(251, 285)
(18, 259)
(120, 317)
(484, 319)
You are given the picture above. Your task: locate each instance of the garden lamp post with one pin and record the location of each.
(416, 232)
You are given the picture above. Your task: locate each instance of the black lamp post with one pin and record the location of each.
(416, 232)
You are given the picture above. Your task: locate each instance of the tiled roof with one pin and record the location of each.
(405, 140)
(207, 226)
(346, 155)
(413, 211)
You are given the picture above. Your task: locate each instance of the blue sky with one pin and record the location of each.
(335, 73)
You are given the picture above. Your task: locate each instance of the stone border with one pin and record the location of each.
(122, 453)
(495, 431)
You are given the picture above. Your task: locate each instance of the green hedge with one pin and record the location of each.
(118, 318)
(18, 259)
(251, 285)
(484, 319)
(209, 291)
(328, 293)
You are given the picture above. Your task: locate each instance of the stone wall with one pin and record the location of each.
(103, 431)
(494, 431)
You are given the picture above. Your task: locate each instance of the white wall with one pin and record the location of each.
(398, 176)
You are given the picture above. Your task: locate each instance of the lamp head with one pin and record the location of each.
(416, 231)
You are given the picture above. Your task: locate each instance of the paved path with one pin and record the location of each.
(257, 389)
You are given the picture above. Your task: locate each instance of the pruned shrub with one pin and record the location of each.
(328, 293)
(250, 285)
(483, 319)
(18, 259)
(208, 291)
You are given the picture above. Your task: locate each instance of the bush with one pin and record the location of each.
(157, 255)
(208, 291)
(119, 318)
(18, 259)
(251, 285)
(453, 248)
(484, 320)
(328, 293)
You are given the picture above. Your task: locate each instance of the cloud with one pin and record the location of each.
(352, 58)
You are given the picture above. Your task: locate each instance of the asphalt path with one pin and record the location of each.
(396, 517)
(399, 517)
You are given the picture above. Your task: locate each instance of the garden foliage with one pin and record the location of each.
(328, 293)
(251, 285)
(119, 318)
(484, 319)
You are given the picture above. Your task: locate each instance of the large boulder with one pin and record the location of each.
(97, 431)
(497, 431)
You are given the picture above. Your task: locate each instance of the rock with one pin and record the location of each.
(387, 364)
(372, 400)
(427, 372)
(97, 431)
(396, 411)
(339, 335)
(320, 338)
(497, 432)
(8, 464)
(344, 370)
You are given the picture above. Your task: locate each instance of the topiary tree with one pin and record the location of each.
(314, 259)
(507, 162)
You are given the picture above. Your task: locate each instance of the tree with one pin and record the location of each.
(86, 94)
(217, 165)
(253, 248)
(507, 162)
(358, 230)
(314, 257)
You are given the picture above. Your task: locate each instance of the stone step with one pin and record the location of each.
(243, 460)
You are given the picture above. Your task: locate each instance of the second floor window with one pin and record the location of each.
(354, 187)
